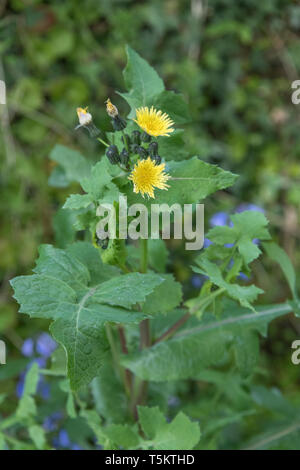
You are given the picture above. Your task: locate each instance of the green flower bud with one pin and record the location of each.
(136, 137)
(142, 153)
(134, 148)
(145, 137)
(118, 123)
(126, 140)
(153, 149)
(112, 154)
(124, 157)
(156, 159)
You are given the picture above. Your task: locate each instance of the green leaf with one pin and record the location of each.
(37, 434)
(99, 179)
(197, 348)
(107, 391)
(157, 254)
(123, 435)
(26, 407)
(280, 436)
(78, 201)
(31, 380)
(180, 434)
(127, 290)
(94, 421)
(246, 352)
(141, 80)
(74, 165)
(151, 420)
(63, 226)
(174, 105)
(173, 147)
(164, 297)
(247, 226)
(63, 289)
(89, 256)
(245, 295)
(278, 255)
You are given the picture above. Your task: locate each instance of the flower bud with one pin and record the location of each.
(124, 157)
(134, 148)
(126, 140)
(118, 123)
(153, 149)
(112, 154)
(145, 137)
(156, 159)
(136, 137)
(142, 153)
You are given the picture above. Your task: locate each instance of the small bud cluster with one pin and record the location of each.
(138, 144)
(133, 144)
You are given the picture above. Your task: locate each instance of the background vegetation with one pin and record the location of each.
(234, 62)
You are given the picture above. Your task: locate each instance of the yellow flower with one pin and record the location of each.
(154, 122)
(146, 176)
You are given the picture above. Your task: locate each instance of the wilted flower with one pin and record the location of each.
(86, 120)
(111, 109)
(118, 123)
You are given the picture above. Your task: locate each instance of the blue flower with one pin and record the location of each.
(51, 422)
(207, 243)
(245, 206)
(75, 447)
(28, 347)
(45, 345)
(196, 281)
(219, 218)
(63, 438)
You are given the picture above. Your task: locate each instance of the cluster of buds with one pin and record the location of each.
(134, 145)
(138, 143)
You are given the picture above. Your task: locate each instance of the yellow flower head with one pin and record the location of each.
(146, 176)
(154, 122)
(111, 109)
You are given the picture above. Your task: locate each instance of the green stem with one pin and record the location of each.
(204, 302)
(102, 142)
(125, 142)
(144, 254)
(208, 299)
(116, 357)
(145, 336)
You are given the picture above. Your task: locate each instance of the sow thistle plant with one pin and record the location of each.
(144, 366)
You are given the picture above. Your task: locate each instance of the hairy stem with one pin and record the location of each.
(116, 357)
(167, 334)
(128, 374)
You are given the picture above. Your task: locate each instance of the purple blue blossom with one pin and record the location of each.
(219, 218)
(245, 206)
(45, 345)
(51, 422)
